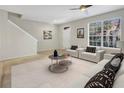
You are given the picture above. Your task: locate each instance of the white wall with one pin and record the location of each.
(83, 23)
(14, 42)
(36, 30)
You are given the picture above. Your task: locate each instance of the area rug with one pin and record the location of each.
(35, 74)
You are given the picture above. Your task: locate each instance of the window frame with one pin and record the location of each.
(102, 30)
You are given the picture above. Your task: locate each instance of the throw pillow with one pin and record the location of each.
(115, 62)
(74, 47)
(91, 49)
(119, 55)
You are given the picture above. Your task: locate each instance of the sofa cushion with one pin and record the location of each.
(108, 56)
(111, 50)
(103, 62)
(103, 79)
(93, 70)
(119, 82)
(98, 48)
(91, 49)
(80, 82)
(74, 47)
(88, 54)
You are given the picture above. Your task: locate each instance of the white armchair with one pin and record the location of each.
(73, 51)
(94, 57)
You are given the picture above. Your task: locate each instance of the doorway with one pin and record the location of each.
(67, 37)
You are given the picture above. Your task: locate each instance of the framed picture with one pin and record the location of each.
(47, 35)
(80, 32)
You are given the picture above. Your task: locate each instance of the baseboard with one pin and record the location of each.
(8, 59)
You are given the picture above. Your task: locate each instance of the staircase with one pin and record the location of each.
(15, 41)
(22, 30)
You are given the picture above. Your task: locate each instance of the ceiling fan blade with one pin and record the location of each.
(82, 7)
(88, 6)
(75, 9)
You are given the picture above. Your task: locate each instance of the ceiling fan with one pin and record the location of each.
(82, 7)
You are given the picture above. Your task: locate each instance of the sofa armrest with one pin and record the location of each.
(100, 51)
(67, 49)
(80, 50)
(100, 54)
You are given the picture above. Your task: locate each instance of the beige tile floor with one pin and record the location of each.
(5, 66)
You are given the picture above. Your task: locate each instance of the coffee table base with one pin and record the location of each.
(65, 62)
(57, 68)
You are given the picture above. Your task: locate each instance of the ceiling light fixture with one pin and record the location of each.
(82, 7)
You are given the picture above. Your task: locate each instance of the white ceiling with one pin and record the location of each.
(58, 14)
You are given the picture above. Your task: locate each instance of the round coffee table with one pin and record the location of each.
(61, 64)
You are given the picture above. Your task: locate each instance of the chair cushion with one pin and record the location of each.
(74, 47)
(91, 49)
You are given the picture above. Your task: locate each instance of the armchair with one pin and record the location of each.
(73, 51)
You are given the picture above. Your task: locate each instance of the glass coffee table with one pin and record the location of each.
(60, 65)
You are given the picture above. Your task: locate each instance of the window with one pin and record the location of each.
(104, 33)
(95, 34)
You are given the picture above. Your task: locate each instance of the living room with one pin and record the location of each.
(63, 42)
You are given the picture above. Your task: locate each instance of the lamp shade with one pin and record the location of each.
(120, 44)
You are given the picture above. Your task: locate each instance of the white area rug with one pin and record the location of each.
(36, 74)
